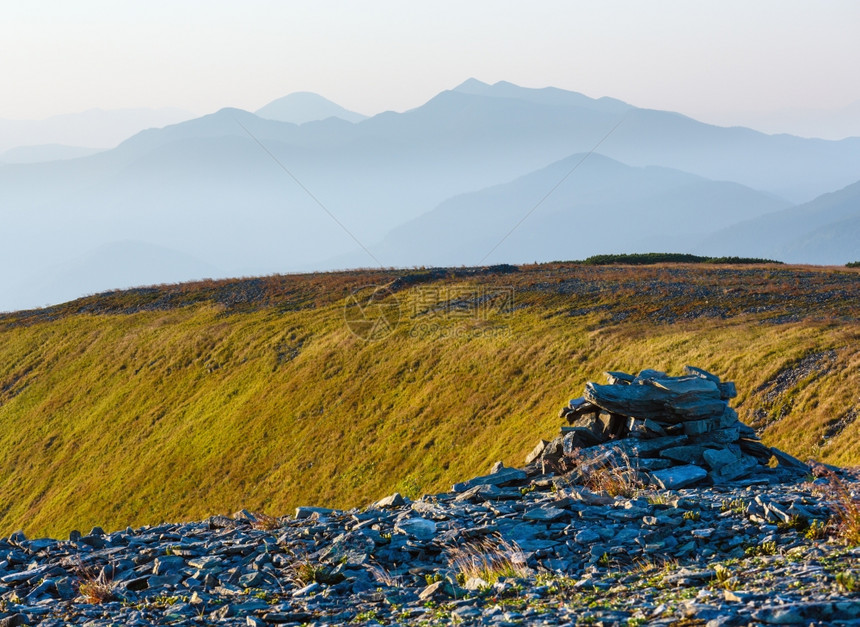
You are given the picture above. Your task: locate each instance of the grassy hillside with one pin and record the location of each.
(183, 401)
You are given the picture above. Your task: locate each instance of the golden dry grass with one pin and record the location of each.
(185, 401)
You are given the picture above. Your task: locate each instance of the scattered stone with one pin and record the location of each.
(664, 553)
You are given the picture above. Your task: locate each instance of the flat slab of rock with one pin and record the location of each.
(546, 514)
(505, 475)
(679, 476)
(303, 512)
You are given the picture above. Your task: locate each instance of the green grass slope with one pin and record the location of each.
(178, 402)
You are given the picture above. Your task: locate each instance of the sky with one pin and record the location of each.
(722, 61)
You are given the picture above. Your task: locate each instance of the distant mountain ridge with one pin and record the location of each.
(97, 128)
(255, 196)
(825, 230)
(603, 206)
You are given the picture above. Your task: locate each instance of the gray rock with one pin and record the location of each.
(788, 461)
(506, 475)
(306, 512)
(679, 476)
(690, 454)
(537, 451)
(395, 500)
(419, 528)
(546, 514)
(717, 458)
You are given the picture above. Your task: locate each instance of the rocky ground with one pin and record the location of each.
(535, 550)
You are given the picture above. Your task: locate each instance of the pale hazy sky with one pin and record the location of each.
(714, 60)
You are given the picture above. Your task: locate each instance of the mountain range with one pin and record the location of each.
(95, 128)
(304, 184)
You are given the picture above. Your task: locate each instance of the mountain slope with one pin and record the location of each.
(183, 401)
(302, 106)
(824, 231)
(602, 206)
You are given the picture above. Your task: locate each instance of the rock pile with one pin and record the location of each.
(675, 431)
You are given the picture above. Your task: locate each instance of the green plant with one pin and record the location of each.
(849, 581)
(365, 616)
(693, 516)
(765, 548)
(817, 530)
(736, 506)
(796, 523)
(724, 577)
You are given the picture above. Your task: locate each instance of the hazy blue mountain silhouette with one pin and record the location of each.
(825, 230)
(45, 152)
(602, 207)
(98, 128)
(304, 106)
(210, 187)
(109, 266)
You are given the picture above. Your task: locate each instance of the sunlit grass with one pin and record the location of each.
(131, 416)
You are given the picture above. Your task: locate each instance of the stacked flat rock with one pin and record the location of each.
(678, 431)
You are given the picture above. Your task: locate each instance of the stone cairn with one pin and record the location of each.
(674, 431)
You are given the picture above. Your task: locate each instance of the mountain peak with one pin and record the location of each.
(472, 86)
(304, 106)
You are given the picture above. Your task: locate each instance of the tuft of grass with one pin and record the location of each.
(307, 572)
(265, 522)
(612, 475)
(845, 505)
(95, 587)
(488, 559)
